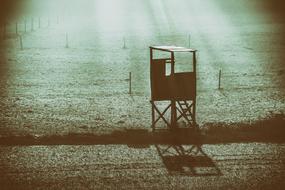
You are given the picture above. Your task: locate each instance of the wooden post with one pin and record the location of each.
(150, 71)
(32, 24)
(151, 88)
(130, 83)
(173, 102)
(39, 22)
(16, 28)
(25, 25)
(189, 40)
(21, 42)
(66, 41)
(124, 46)
(220, 76)
(195, 95)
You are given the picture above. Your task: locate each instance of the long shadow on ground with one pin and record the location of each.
(269, 130)
(180, 150)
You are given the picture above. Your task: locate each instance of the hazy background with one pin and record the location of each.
(65, 63)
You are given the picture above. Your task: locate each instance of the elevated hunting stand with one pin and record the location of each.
(177, 89)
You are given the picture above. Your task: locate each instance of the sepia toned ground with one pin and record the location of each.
(55, 100)
(231, 166)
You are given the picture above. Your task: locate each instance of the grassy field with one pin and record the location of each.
(67, 120)
(47, 88)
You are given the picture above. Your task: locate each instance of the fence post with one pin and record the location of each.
(220, 76)
(66, 41)
(25, 24)
(32, 24)
(124, 46)
(16, 28)
(189, 40)
(39, 22)
(21, 42)
(130, 82)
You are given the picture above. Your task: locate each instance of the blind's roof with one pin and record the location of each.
(173, 49)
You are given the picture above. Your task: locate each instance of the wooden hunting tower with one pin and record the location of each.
(177, 89)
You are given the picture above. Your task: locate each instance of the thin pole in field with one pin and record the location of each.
(21, 42)
(220, 76)
(32, 24)
(25, 24)
(189, 40)
(39, 22)
(16, 28)
(124, 40)
(66, 41)
(130, 82)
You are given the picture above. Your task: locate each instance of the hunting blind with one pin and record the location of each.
(178, 89)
